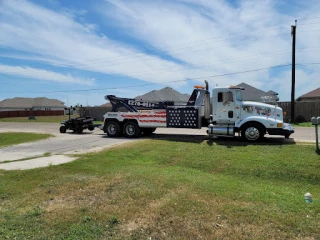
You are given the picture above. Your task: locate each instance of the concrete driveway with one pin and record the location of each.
(53, 150)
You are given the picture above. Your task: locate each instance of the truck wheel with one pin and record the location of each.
(252, 132)
(63, 129)
(79, 130)
(131, 130)
(148, 131)
(113, 129)
(91, 128)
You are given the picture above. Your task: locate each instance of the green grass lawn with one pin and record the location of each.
(303, 124)
(11, 138)
(157, 189)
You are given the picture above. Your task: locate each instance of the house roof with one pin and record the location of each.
(165, 94)
(270, 92)
(252, 93)
(108, 104)
(19, 102)
(313, 94)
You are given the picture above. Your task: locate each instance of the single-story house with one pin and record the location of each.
(256, 95)
(312, 96)
(39, 103)
(165, 94)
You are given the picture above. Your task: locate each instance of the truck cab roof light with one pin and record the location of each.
(200, 87)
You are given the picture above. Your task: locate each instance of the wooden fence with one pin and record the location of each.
(303, 110)
(29, 113)
(96, 112)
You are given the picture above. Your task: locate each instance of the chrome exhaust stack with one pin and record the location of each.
(207, 102)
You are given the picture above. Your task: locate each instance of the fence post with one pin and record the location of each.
(316, 122)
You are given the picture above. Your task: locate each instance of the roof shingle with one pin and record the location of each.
(313, 94)
(19, 102)
(165, 94)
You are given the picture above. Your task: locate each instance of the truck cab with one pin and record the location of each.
(252, 120)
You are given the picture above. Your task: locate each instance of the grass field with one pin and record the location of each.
(157, 189)
(303, 124)
(11, 138)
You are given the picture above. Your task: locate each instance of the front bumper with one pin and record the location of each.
(286, 130)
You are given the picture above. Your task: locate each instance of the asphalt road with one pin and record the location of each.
(71, 143)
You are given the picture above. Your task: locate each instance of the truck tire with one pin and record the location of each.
(63, 129)
(79, 130)
(91, 128)
(131, 130)
(148, 131)
(252, 132)
(113, 129)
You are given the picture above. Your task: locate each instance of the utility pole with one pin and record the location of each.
(293, 33)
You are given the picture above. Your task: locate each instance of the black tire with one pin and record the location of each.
(147, 131)
(63, 129)
(79, 130)
(113, 129)
(131, 130)
(252, 132)
(91, 128)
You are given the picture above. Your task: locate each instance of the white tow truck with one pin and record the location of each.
(226, 115)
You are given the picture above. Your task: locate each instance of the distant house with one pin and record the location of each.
(256, 95)
(165, 94)
(40, 103)
(312, 96)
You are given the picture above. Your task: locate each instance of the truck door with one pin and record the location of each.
(225, 106)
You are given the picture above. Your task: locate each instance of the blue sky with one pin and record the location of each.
(80, 51)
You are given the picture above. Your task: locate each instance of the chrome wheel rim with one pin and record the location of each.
(130, 130)
(252, 133)
(112, 129)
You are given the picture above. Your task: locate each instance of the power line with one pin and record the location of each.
(308, 23)
(217, 63)
(316, 30)
(307, 64)
(138, 74)
(147, 84)
(306, 18)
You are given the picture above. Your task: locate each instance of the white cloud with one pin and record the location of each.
(205, 37)
(57, 37)
(234, 33)
(43, 75)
